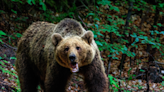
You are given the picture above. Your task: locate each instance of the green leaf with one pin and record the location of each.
(115, 58)
(116, 8)
(18, 35)
(142, 33)
(162, 32)
(13, 58)
(133, 54)
(110, 55)
(129, 70)
(5, 61)
(90, 14)
(95, 36)
(2, 33)
(99, 43)
(12, 36)
(2, 63)
(97, 7)
(130, 78)
(14, 11)
(104, 2)
(33, 1)
(137, 39)
(113, 81)
(100, 34)
(97, 19)
(157, 32)
(152, 32)
(142, 70)
(162, 83)
(154, 26)
(1, 40)
(1, 11)
(29, 2)
(154, 7)
(159, 24)
(161, 5)
(97, 26)
(133, 35)
(44, 7)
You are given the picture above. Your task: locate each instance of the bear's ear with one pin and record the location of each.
(56, 38)
(88, 37)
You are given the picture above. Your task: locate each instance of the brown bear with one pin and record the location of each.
(49, 54)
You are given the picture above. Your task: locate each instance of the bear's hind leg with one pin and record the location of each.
(27, 77)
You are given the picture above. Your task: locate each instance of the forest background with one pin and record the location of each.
(129, 34)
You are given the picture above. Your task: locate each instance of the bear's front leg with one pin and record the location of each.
(94, 77)
(27, 77)
(57, 78)
(95, 80)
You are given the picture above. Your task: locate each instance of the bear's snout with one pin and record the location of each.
(72, 58)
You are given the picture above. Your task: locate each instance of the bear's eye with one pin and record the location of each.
(66, 49)
(78, 48)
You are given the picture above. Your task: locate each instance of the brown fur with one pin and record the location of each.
(41, 59)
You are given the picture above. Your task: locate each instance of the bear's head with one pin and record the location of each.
(73, 52)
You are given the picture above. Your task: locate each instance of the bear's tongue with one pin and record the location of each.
(74, 67)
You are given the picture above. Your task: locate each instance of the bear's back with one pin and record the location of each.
(69, 27)
(42, 31)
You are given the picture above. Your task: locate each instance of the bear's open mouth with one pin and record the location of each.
(74, 67)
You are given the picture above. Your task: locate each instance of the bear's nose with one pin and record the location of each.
(72, 58)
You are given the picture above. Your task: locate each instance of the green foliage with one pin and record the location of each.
(20, 1)
(10, 72)
(142, 70)
(142, 39)
(113, 28)
(131, 76)
(107, 2)
(139, 36)
(162, 83)
(2, 34)
(140, 5)
(30, 2)
(18, 35)
(113, 81)
(14, 11)
(42, 4)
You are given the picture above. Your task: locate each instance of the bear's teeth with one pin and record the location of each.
(76, 69)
